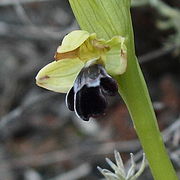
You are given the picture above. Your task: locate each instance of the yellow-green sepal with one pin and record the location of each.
(115, 41)
(73, 40)
(59, 76)
(116, 58)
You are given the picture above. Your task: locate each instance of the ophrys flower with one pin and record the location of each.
(81, 67)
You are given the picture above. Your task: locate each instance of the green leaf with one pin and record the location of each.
(59, 76)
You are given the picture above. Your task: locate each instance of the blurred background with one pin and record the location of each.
(40, 139)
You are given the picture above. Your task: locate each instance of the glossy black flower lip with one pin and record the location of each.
(88, 95)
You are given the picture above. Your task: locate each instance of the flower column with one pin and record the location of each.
(108, 18)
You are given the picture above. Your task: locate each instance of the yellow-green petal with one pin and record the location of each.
(59, 76)
(73, 40)
(116, 61)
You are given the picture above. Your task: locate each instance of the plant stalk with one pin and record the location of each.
(108, 18)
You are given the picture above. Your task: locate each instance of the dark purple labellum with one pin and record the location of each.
(88, 95)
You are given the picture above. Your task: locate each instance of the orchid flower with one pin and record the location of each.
(83, 68)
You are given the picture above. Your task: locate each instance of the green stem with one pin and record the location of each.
(108, 18)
